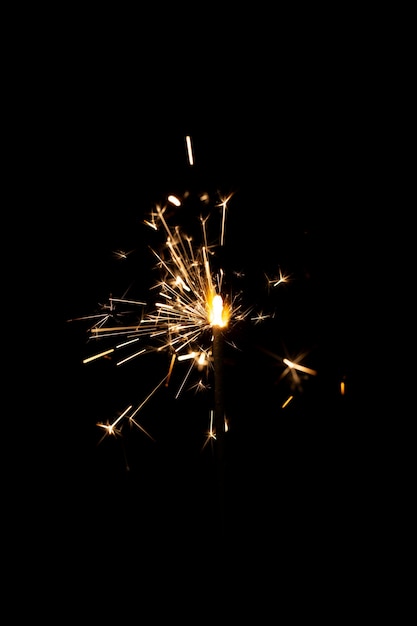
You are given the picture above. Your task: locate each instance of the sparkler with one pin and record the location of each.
(190, 316)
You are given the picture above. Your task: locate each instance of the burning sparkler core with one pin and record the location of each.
(189, 315)
(219, 315)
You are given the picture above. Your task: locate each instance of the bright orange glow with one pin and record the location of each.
(218, 314)
(98, 356)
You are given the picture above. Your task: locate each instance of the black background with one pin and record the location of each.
(294, 207)
(298, 144)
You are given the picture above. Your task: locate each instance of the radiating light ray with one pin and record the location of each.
(171, 367)
(133, 421)
(98, 356)
(301, 368)
(261, 317)
(127, 343)
(287, 401)
(292, 367)
(189, 150)
(223, 205)
(190, 299)
(124, 301)
(211, 435)
(131, 356)
(184, 380)
(200, 386)
(148, 397)
(110, 428)
(279, 280)
(117, 329)
(121, 254)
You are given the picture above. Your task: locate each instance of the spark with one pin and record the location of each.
(192, 305)
(278, 280)
(287, 401)
(223, 204)
(211, 434)
(261, 317)
(300, 368)
(110, 428)
(121, 254)
(293, 366)
(98, 356)
(200, 386)
(190, 301)
(189, 150)
(131, 356)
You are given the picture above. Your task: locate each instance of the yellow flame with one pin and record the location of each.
(218, 314)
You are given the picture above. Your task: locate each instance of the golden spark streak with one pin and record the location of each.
(110, 429)
(188, 304)
(154, 390)
(122, 415)
(132, 356)
(211, 433)
(287, 401)
(141, 428)
(185, 357)
(189, 150)
(184, 380)
(127, 343)
(171, 366)
(299, 367)
(108, 329)
(98, 356)
(127, 301)
(217, 311)
(223, 204)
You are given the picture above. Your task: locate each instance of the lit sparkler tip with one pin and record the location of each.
(188, 305)
(219, 314)
(217, 311)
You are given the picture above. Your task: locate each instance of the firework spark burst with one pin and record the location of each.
(191, 302)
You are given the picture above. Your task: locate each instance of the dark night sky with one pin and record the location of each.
(294, 208)
(290, 116)
(299, 175)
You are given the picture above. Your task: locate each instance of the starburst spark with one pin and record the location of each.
(190, 299)
(190, 305)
